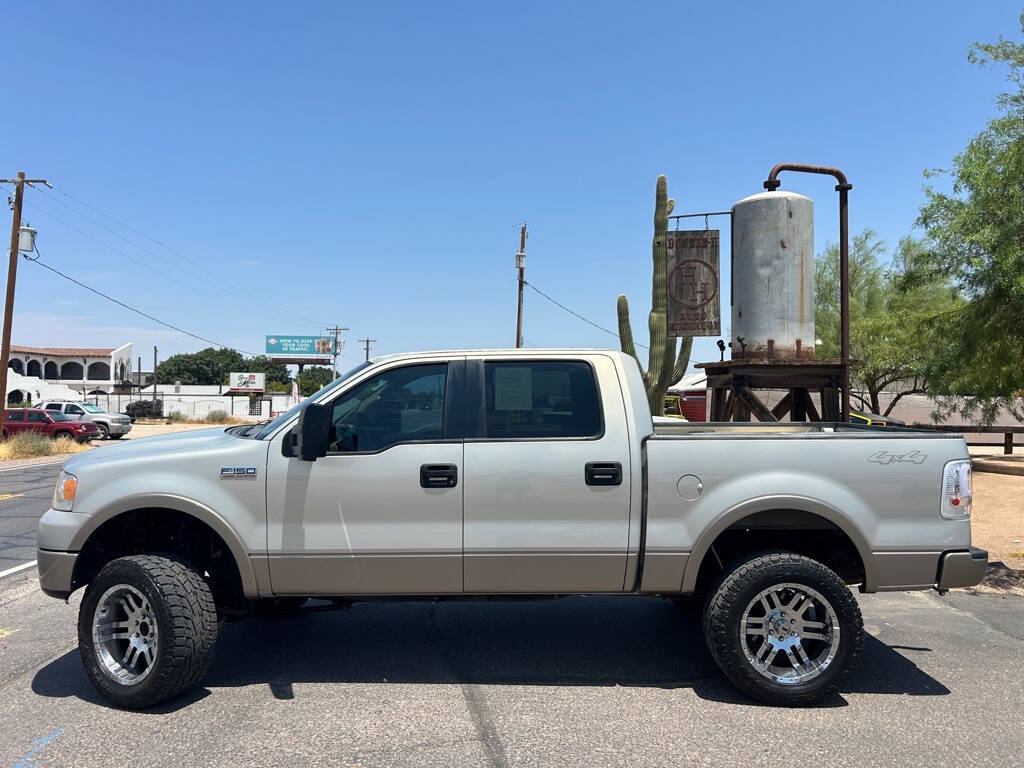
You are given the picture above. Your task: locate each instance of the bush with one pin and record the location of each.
(176, 416)
(217, 417)
(145, 409)
(29, 445)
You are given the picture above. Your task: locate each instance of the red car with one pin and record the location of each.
(50, 423)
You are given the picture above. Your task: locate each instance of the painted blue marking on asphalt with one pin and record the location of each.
(28, 760)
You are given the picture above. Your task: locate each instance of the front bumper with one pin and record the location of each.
(120, 429)
(963, 568)
(56, 572)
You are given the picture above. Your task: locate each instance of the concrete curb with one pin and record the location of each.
(1008, 465)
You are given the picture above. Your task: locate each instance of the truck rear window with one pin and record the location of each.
(541, 399)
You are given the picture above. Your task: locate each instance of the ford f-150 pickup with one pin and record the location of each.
(453, 474)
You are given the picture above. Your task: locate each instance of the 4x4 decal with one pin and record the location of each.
(914, 457)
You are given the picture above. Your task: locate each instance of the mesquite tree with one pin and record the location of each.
(664, 367)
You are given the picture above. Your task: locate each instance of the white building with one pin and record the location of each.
(85, 369)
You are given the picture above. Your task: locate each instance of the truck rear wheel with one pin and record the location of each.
(784, 629)
(147, 628)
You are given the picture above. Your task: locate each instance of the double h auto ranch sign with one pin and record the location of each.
(694, 307)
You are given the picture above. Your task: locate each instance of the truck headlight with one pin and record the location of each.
(956, 490)
(64, 493)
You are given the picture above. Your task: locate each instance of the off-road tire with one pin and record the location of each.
(734, 591)
(186, 619)
(104, 430)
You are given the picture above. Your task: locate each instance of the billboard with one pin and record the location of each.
(694, 300)
(247, 382)
(310, 346)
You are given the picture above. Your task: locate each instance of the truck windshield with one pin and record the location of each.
(268, 429)
(92, 408)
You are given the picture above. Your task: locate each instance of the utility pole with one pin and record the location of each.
(12, 274)
(154, 381)
(367, 342)
(336, 331)
(521, 265)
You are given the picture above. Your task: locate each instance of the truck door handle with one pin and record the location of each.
(603, 473)
(439, 475)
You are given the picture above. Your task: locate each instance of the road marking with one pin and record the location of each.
(17, 568)
(33, 466)
(28, 760)
(6, 496)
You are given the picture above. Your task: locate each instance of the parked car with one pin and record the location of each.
(533, 472)
(112, 425)
(17, 420)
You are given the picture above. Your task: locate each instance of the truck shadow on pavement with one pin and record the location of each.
(585, 641)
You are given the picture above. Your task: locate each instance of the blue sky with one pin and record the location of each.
(369, 164)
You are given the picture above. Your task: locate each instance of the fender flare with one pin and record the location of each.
(773, 502)
(179, 504)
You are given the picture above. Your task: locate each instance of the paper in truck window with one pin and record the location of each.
(513, 388)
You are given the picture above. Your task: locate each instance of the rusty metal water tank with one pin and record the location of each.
(773, 276)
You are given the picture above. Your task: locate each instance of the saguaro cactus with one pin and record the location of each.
(664, 367)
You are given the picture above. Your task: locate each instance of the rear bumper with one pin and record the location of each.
(962, 569)
(56, 572)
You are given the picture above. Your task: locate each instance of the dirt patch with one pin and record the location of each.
(997, 518)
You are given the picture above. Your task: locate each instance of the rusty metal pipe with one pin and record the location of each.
(843, 188)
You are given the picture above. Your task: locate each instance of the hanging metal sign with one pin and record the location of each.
(694, 303)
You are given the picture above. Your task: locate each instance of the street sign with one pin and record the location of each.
(299, 345)
(694, 299)
(247, 382)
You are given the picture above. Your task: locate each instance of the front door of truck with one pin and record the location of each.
(547, 490)
(381, 513)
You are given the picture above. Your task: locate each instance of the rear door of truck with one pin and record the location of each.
(547, 470)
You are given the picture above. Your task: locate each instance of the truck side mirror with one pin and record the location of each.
(309, 436)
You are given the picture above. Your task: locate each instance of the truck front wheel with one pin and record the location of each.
(147, 628)
(784, 629)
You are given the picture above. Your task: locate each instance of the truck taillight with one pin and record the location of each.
(956, 490)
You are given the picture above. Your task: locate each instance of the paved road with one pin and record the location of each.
(578, 681)
(25, 494)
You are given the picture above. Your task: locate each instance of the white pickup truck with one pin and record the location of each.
(448, 474)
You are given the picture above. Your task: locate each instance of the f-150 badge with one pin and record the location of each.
(238, 473)
(914, 457)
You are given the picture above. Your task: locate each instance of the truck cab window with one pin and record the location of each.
(397, 406)
(541, 400)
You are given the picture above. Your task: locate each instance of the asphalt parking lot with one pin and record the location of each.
(577, 681)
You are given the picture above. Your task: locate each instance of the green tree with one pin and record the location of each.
(207, 366)
(974, 237)
(894, 336)
(313, 378)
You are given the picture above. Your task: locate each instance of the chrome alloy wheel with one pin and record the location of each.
(789, 633)
(124, 635)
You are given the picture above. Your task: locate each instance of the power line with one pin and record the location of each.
(56, 271)
(244, 295)
(238, 292)
(153, 269)
(577, 314)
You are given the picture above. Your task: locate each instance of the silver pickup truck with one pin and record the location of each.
(448, 474)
